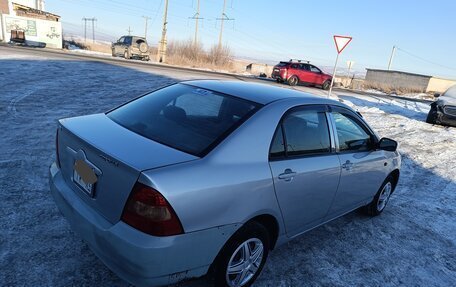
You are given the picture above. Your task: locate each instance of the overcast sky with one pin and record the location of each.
(424, 31)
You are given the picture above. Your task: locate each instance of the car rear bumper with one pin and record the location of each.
(136, 257)
(137, 52)
(276, 76)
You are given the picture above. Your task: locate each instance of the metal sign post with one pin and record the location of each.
(350, 65)
(341, 42)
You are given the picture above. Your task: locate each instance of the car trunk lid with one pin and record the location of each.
(97, 146)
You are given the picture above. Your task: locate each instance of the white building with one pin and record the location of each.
(29, 16)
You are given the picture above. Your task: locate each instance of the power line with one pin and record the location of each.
(121, 10)
(158, 12)
(106, 33)
(425, 60)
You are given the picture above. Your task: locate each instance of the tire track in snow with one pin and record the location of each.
(12, 105)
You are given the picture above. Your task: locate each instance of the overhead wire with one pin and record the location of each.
(425, 60)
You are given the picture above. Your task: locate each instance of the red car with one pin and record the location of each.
(296, 72)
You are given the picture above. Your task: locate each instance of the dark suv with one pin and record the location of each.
(131, 47)
(295, 72)
(443, 111)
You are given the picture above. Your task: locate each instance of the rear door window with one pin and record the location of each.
(301, 132)
(305, 67)
(185, 117)
(306, 132)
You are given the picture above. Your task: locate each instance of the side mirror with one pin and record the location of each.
(436, 95)
(387, 144)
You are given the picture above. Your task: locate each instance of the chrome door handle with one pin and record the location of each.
(287, 175)
(347, 165)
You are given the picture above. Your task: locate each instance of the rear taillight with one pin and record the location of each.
(148, 211)
(57, 157)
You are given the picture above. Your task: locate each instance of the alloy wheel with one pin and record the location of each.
(244, 263)
(384, 196)
(293, 81)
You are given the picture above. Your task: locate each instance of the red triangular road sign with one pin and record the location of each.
(341, 42)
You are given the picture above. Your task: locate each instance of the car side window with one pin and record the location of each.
(305, 67)
(306, 132)
(277, 146)
(352, 136)
(315, 69)
(121, 40)
(128, 40)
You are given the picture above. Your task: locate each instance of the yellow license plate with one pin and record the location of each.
(84, 176)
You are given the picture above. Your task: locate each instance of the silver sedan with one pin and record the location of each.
(210, 176)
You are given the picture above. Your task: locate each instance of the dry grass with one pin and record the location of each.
(181, 53)
(393, 90)
(97, 47)
(186, 53)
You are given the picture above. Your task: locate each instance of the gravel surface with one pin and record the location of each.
(413, 243)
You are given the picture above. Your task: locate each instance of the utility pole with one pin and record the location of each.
(85, 28)
(161, 55)
(391, 58)
(196, 17)
(145, 28)
(129, 31)
(93, 20)
(221, 24)
(223, 19)
(93, 29)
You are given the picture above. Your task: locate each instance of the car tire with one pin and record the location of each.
(326, 85)
(432, 115)
(127, 54)
(381, 199)
(293, 81)
(113, 53)
(252, 238)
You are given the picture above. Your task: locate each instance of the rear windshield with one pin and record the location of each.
(282, 64)
(184, 117)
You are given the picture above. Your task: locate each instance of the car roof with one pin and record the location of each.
(125, 36)
(255, 92)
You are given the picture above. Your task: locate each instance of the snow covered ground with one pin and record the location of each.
(420, 96)
(88, 52)
(413, 243)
